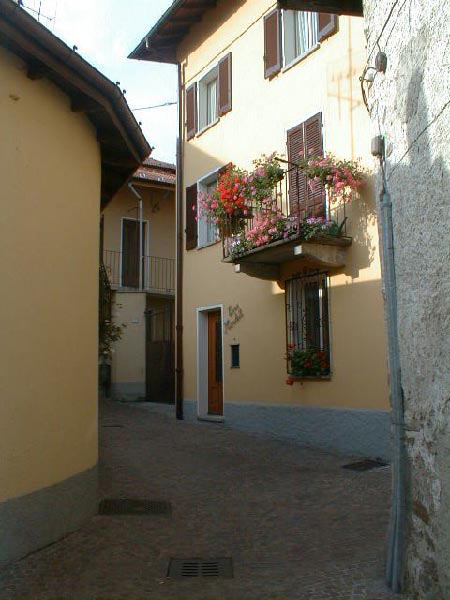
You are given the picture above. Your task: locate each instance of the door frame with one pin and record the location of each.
(147, 245)
(202, 363)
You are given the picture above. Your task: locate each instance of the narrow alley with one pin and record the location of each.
(295, 524)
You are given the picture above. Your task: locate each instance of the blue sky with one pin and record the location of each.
(105, 32)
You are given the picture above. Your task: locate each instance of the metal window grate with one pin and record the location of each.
(134, 506)
(365, 465)
(180, 568)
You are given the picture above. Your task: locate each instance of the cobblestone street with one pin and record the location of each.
(295, 523)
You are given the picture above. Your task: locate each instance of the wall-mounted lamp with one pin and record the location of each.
(369, 73)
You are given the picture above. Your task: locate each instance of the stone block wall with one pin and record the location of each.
(410, 106)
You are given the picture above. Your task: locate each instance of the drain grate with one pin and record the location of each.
(366, 465)
(121, 426)
(134, 506)
(198, 567)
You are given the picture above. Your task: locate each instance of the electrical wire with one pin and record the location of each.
(155, 106)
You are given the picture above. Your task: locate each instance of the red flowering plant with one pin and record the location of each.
(311, 362)
(340, 177)
(239, 193)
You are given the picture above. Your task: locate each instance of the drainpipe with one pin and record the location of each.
(394, 565)
(139, 197)
(179, 258)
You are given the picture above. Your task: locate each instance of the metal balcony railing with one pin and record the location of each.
(158, 274)
(296, 199)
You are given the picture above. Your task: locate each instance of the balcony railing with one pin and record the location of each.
(285, 200)
(158, 274)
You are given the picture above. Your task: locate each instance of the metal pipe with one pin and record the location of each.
(139, 197)
(396, 534)
(179, 255)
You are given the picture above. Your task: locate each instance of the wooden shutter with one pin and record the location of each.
(224, 81)
(191, 111)
(327, 25)
(272, 43)
(315, 193)
(191, 217)
(297, 181)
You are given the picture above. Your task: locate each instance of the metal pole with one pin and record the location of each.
(139, 197)
(179, 255)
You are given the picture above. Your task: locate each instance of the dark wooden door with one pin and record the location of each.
(160, 356)
(215, 375)
(130, 253)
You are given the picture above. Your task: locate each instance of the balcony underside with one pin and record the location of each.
(265, 262)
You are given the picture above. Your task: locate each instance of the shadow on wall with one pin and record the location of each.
(419, 184)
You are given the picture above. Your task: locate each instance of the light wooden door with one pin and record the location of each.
(215, 375)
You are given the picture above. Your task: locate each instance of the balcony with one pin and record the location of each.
(158, 274)
(312, 231)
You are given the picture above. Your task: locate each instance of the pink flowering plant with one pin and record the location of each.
(340, 177)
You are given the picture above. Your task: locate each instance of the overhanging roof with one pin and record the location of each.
(122, 143)
(160, 43)
(339, 7)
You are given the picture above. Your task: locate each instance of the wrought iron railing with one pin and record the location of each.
(285, 199)
(158, 274)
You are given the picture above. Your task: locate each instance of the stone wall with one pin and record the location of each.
(410, 106)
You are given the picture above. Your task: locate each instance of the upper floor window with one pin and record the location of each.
(210, 98)
(300, 33)
(291, 34)
(207, 229)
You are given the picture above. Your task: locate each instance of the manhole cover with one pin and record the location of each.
(134, 506)
(200, 567)
(365, 465)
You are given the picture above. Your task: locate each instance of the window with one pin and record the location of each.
(207, 229)
(307, 324)
(208, 99)
(291, 34)
(300, 33)
(235, 358)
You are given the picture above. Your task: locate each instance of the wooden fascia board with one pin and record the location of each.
(351, 8)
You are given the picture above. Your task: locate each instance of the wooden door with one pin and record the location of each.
(215, 375)
(160, 355)
(130, 253)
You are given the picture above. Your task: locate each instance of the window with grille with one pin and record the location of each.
(307, 321)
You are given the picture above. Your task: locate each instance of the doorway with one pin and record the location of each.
(210, 403)
(130, 252)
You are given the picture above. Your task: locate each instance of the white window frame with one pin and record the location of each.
(202, 224)
(211, 75)
(290, 57)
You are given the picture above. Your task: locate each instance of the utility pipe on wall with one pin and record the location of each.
(139, 197)
(179, 255)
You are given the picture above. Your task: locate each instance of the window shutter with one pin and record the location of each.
(327, 25)
(297, 181)
(191, 217)
(225, 87)
(272, 43)
(315, 193)
(191, 111)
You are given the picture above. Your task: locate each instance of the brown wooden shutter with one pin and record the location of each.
(272, 43)
(224, 81)
(297, 181)
(327, 25)
(191, 111)
(191, 217)
(315, 193)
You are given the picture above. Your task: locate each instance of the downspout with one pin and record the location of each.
(396, 539)
(139, 197)
(179, 259)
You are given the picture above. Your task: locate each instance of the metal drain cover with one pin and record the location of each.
(134, 506)
(179, 568)
(365, 465)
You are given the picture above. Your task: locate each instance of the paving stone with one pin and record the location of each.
(296, 524)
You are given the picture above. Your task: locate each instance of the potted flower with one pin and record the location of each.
(311, 362)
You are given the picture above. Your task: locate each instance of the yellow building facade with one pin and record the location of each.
(150, 201)
(316, 74)
(52, 184)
